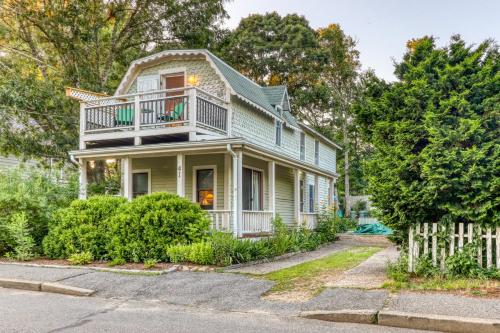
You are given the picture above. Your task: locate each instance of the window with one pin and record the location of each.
(316, 152)
(205, 194)
(302, 203)
(141, 183)
(252, 189)
(302, 146)
(279, 130)
(311, 198)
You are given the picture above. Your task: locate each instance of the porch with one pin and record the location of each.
(241, 191)
(180, 114)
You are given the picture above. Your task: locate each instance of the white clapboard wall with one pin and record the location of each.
(423, 240)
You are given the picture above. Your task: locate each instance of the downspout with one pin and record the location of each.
(234, 190)
(74, 161)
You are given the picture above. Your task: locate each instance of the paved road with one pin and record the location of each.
(23, 311)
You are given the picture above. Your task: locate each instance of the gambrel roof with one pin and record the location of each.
(265, 98)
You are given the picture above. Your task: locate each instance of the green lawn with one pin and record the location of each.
(309, 278)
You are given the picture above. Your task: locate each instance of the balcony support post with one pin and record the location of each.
(239, 193)
(192, 113)
(137, 120)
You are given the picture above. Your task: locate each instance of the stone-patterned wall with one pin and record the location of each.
(208, 78)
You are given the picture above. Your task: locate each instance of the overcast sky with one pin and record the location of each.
(382, 27)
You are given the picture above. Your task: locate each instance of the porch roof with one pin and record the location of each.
(200, 147)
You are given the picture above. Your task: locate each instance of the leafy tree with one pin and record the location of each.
(88, 44)
(320, 68)
(436, 136)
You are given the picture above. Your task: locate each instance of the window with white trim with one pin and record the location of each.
(279, 132)
(302, 146)
(252, 189)
(312, 193)
(205, 188)
(302, 203)
(141, 183)
(316, 152)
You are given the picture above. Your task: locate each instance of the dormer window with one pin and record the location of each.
(279, 131)
(280, 110)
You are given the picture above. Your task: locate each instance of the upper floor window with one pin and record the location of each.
(302, 146)
(279, 131)
(316, 152)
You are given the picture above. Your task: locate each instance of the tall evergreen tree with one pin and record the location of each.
(436, 136)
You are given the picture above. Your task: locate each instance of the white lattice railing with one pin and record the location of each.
(256, 221)
(309, 220)
(221, 220)
(422, 241)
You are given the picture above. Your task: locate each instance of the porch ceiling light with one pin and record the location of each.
(193, 80)
(110, 161)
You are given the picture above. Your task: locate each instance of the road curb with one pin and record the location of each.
(58, 288)
(419, 321)
(20, 284)
(346, 316)
(432, 322)
(49, 287)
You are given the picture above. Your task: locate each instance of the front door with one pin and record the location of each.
(173, 106)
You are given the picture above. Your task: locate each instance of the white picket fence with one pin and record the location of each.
(423, 240)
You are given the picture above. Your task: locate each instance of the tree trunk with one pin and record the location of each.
(347, 197)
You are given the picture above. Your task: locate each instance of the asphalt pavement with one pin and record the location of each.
(23, 311)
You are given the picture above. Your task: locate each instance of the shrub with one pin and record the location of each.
(150, 263)
(327, 227)
(398, 271)
(178, 253)
(464, 264)
(82, 227)
(82, 258)
(145, 227)
(424, 268)
(35, 194)
(21, 239)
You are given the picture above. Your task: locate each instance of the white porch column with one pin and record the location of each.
(227, 181)
(316, 194)
(239, 196)
(272, 186)
(192, 113)
(296, 195)
(127, 177)
(181, 175)
(82, 194)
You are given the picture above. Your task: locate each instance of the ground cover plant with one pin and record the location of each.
(461, 274)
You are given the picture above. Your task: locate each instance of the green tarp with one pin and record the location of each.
(373, 229)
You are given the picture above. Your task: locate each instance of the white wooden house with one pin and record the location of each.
(185, 122)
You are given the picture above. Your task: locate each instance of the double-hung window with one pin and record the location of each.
(141, 183)
(252, 190)
(302, 203)
(205, 188)
(302, 146)
(311, 198)
(316, 152)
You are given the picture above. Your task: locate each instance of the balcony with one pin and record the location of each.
(183, 112)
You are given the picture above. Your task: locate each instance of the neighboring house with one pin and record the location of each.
(10, 162)
(185, 122)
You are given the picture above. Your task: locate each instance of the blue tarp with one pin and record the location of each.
(373, 229)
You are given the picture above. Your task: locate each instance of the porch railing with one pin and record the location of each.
(221, 220)
(309, 220)
(257, 221)
(155, 109)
